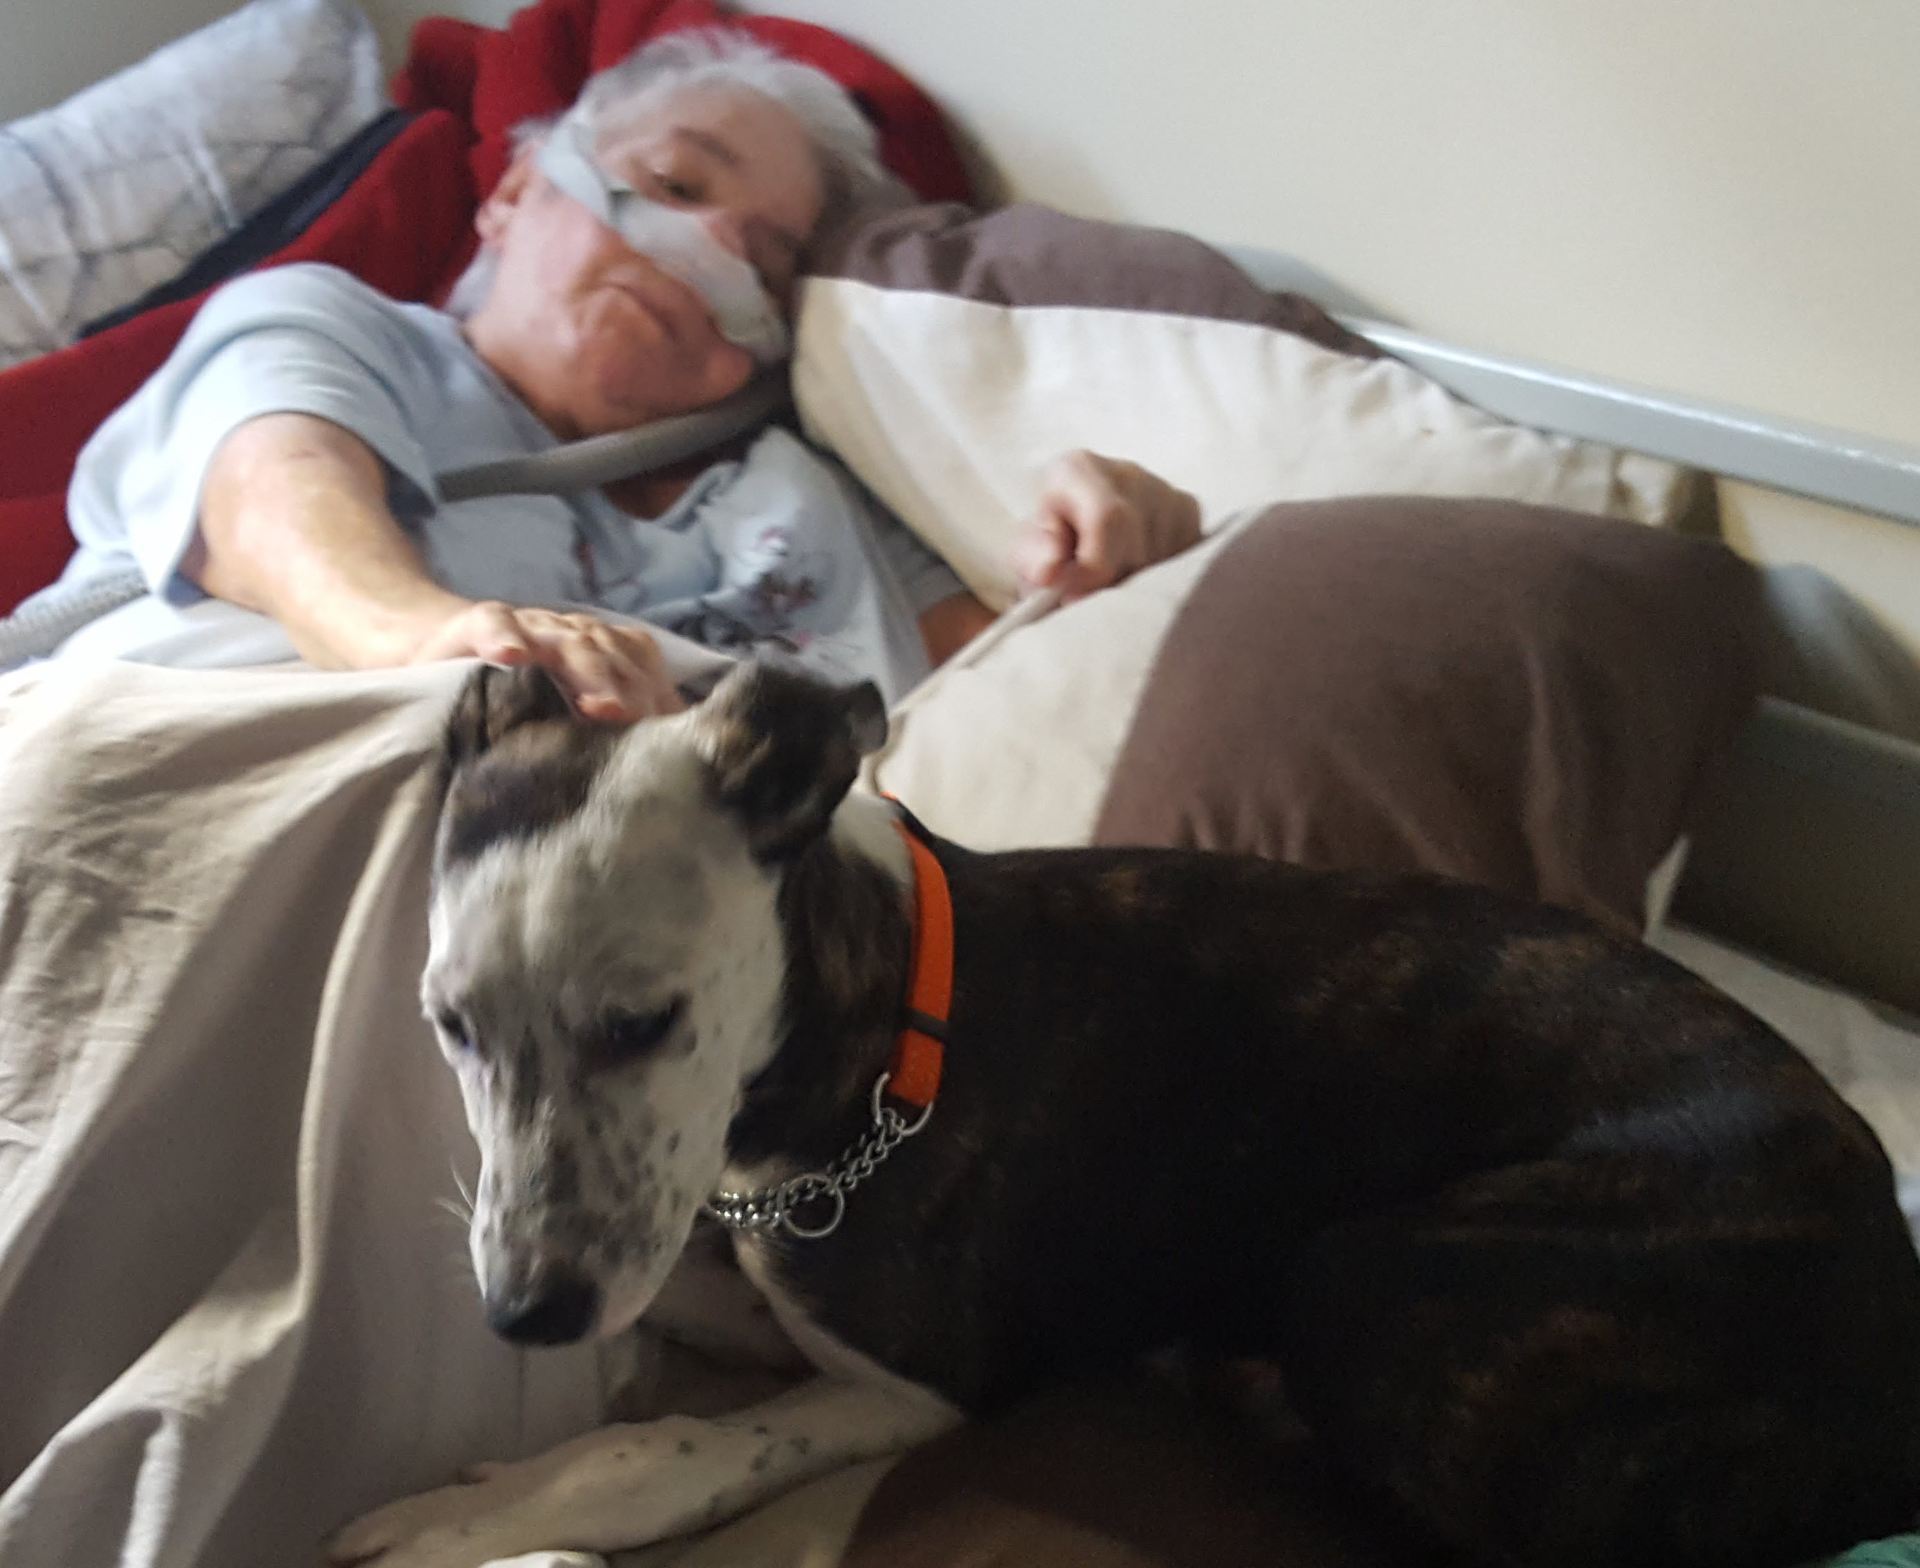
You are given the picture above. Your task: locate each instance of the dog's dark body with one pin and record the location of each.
(1562, 1248)
(1555, 1246)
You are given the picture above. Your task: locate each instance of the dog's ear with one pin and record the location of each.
(866, 715)
(493, 703)
(783, 748)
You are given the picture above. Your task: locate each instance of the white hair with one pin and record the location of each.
(843, 142)
(842, 139)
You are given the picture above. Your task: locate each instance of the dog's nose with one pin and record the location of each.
(556, 1307)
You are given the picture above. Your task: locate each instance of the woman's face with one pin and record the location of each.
(590, 332)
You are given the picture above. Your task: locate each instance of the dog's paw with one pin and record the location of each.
(611, 1489)
(551, 1560)
(468, 1525)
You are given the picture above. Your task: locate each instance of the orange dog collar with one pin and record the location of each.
(914, 1077)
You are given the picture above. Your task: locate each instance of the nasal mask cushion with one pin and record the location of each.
(676, 241)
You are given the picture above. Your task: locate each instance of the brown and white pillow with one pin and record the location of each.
(948, 356)
(1519, 696)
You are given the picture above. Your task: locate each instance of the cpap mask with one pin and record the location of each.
(676, 241)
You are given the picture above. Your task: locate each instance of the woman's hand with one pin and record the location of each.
(1100, 520)
(609, 672)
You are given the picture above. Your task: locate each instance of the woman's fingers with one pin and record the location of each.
(609, 672)
(586, 673)
(1043, 551)
(1098, 521)
(615, 673)
(652, 689)
(1088, 532)
(630, 675)
(496, 635)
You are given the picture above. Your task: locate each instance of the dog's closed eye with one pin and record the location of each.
(624, 1038)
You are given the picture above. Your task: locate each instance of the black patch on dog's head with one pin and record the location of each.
(516, 760)
(783, 748)
(493, 703)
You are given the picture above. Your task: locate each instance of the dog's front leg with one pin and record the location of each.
(626, 1486)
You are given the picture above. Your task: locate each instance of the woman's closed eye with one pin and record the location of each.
(677, 187)
(624, 1038)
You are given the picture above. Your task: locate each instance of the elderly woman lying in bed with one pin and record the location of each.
(275, 481)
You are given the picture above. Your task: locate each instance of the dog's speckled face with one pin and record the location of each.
(605, 977)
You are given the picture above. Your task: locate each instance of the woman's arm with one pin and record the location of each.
(950, 624)
(294, 523)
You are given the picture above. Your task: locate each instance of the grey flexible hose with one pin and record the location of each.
(599, 460)
(38, 628)
(54, 616)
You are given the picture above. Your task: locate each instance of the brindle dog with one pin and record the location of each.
(1558, 1249)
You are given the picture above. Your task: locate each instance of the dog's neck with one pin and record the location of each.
(846, 908)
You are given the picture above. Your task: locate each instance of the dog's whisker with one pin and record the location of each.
(466, 1192)
(461, 1212)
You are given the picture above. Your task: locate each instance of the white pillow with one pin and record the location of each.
(949, 356)
(115, 191)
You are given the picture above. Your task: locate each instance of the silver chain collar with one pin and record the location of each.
(773, 1208)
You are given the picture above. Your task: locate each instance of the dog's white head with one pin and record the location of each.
(606, 965)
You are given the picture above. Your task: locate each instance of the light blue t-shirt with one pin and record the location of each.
(779, 548)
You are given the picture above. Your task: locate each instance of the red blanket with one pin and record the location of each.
(406, 225)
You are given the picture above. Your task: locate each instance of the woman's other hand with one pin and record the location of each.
(1098, 521)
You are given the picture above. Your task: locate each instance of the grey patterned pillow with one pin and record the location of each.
(116, 190)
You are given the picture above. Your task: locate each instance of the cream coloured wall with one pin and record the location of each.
(1716, 197)
(50, 49)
